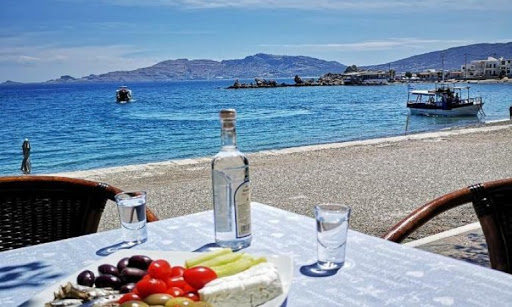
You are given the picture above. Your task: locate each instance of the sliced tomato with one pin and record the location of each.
(199, 276)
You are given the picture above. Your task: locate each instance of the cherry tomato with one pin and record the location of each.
(177, 271)
(192, 295)
(135, 291)
(129, 297)
(147, 276)
(149, 286)
(188, 288)
(177, 281)
(159, 269)
(175, 291)
(199, 276)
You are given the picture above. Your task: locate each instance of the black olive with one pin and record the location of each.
(108, 269)
(139, 262)
(108, 281)
(85, 278)
(132, 274)
(123, 263)
(127, 288)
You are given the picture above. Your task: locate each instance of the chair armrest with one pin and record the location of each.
(425, 213)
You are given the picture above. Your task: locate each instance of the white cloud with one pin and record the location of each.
(372, 45)
(41, 63)
(24, 59)
(325, 4)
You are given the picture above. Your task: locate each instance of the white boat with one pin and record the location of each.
(123, 94)
(444, 101)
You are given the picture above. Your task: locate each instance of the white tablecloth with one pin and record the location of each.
(377, 272)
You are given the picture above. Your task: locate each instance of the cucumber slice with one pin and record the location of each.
(207, 256)
(258, 260)
(233, 268)
(221, 260)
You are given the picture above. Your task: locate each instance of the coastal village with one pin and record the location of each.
(489, 70)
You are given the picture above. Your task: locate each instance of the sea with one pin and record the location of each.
(81, 127)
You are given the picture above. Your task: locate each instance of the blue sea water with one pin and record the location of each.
(80, 126)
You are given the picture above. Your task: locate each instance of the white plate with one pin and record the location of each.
(283, 263)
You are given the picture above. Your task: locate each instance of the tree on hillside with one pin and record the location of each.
(408, 74)
(352, 68)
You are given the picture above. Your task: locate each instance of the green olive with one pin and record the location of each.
(179, 302)
(134, 304)
(157, 298)
(201, 304)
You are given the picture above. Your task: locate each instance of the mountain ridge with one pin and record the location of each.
(262, 65)
(259, 65)
(453, 57)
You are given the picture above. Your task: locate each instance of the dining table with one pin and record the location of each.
(376, 272)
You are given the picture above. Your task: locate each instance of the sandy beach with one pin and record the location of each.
(381, 179)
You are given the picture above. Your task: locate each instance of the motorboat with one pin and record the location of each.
(444, 100)
(123, 94)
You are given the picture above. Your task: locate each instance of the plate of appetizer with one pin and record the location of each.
(144, 278)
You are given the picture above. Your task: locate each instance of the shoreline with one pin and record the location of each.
(381, 179)
(489, 126)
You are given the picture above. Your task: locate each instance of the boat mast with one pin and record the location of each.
(442, 66)
(465, 66)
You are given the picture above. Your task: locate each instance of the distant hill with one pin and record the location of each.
(454, 57)
(270, 66)
(9, 82)
(258, 65)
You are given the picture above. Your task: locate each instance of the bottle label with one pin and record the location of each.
(243, 210)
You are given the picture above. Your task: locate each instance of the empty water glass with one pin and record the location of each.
(332, 226)
(132, 212)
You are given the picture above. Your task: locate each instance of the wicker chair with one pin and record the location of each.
(492, 202)
(39, 209)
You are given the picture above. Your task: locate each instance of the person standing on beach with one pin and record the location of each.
(25, 164)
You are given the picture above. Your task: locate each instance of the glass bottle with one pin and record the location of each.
(231, 189)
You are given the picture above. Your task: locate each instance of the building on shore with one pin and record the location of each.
(366, 77)
(432, 75)
(490, 68)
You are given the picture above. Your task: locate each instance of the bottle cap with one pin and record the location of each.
(227, 114)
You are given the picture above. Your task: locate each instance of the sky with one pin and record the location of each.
(45, 39)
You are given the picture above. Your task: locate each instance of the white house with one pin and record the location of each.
(491, 67)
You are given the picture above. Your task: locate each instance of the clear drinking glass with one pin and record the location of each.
(132, 212)
(331, 229)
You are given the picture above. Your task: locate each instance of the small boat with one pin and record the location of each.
(123, 94)
(444, 101)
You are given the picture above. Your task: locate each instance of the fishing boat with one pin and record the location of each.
(123, 94)
(444, 100)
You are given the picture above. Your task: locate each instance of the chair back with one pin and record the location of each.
(492, 202)
(39, 209)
